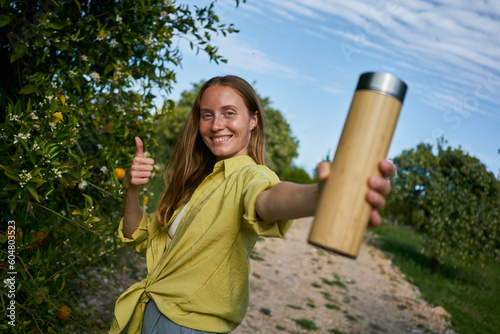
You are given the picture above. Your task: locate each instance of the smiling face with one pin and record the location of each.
(225, 122)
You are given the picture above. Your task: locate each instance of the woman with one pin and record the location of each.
(220, 198)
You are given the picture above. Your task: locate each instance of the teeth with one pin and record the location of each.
(219, 139)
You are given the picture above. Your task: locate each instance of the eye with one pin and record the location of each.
(206, 116)
(229, 113)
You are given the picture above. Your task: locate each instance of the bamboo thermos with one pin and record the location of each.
(343, 212)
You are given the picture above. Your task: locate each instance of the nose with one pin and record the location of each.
(217, 124)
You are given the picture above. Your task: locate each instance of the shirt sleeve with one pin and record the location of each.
(139, 239)
(261, 180)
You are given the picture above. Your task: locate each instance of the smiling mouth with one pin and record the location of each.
(221, 139)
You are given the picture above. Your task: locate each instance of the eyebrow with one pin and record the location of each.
(229, 106)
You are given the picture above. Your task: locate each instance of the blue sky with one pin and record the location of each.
(306, 56)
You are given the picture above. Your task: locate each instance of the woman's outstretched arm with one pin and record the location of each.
(288, 200)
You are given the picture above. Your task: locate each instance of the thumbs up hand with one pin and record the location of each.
(141, 168)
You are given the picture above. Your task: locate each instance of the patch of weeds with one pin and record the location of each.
(332, 307)
(295, 307)
(261, 239)
(346, 300)
(306, 324)
(420, 316)
(314, 260)
(335, 331)
(254, 255)
(425, 329)
(280, 328)
(334, 282)
(316, 285)
(310, 303)
(350, 317)
(327, 296)
(256, 275)
(402, 307)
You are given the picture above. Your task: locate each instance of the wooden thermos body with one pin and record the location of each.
(343, 212)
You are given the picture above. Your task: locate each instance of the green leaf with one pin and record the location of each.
(28, 89)
(4, 20)
(78, 4)
(61, 46)
(19, 51)
(37, 180)
(8, 169)
(33, 192)
(108, 69)
(88, 200)
(14, 177)
(12, 205)
(57, 25)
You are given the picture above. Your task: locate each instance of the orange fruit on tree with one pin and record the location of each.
(64, 312)
(120, 173)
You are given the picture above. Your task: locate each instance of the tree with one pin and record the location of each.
(76, 85)
(451, 198)
(281, 146)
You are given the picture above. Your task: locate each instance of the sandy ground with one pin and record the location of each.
(293, 283)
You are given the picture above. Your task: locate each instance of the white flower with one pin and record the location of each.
(149, 41)
(72, 73)
(99, 146)
(54, 84)
(84, 58)
(22, 136)
(82, 185)
(104, 169)
(113, 43)
(119, 19)
(95, 76)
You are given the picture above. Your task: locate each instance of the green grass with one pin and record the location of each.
(306, 324)
(254, 255)
(471, 296)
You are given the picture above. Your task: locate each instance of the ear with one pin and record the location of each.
(254, 120)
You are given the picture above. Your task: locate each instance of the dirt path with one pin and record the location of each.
(293, 280)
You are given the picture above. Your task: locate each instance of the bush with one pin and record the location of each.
(76, 87)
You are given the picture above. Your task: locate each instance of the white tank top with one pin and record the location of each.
(173, 227)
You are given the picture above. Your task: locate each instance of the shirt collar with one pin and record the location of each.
(232, 164)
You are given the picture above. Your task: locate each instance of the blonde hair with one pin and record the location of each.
(192, 161)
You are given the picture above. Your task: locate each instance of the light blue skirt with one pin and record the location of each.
(154, 322)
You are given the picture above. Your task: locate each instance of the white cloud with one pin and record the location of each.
(452, 41)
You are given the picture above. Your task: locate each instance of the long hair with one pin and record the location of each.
(192, 161)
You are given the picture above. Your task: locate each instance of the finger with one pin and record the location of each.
(387, 169)
(376, 200)
(143, 161)
(379, 184)
(139, 181)
(375, 219)
(139, 147)
(140, 174)
(323, 170)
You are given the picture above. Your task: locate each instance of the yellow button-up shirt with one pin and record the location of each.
(201, 279)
